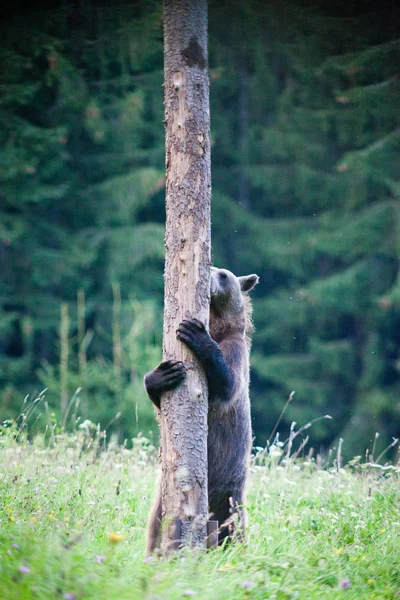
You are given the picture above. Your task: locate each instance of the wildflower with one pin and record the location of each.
(345, 584)
(100, 558)
(226, 567)
(247, 584)
(189, 592)
(115, 538)
(36, 490)
(15, 546)
(69, 596)
(87, 426)
(24, 569)
(148, 559)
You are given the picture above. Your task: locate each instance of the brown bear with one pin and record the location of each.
(224, 355)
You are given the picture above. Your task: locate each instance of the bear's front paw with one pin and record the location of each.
(193, 333)
(167, 376)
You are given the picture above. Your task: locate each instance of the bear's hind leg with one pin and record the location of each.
(153, 535)
(231, 517)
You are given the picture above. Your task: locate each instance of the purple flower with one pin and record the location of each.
(247, 584)
(69, 596)
(36, 490)
(100, 558)
(15, 546)
(24, 569)
(345, 584)
(148, 559)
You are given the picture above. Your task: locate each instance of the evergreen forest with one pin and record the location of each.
(305, 113)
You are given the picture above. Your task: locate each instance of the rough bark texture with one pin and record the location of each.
(187, 268)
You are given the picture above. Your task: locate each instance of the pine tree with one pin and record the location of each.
(320, 225)
(82, 162)
(305, 154)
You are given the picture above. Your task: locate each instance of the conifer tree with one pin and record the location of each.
(81, 163)
(305, 135)
(322, 183)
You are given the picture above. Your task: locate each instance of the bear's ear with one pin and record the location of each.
(248, 282)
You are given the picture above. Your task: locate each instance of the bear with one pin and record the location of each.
(224, 355)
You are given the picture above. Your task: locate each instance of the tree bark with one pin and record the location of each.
(187, 268)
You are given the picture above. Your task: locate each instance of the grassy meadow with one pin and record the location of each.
(73, 513)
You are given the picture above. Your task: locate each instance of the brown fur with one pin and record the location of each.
(224, 354)
(154, 523)
(221, 325)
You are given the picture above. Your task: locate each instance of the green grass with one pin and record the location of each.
(72, 525)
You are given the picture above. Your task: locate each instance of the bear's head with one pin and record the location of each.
(227, 291)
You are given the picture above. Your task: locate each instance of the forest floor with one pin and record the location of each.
(73, 518)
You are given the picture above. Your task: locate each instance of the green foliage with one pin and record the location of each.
(112, 390)
(318, 217)
(305, 133)
(74, 511)
(79, 164)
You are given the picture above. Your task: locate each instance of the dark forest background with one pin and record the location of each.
(305, 101)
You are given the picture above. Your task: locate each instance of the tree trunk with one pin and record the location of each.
(243, 132)
(187, 268)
